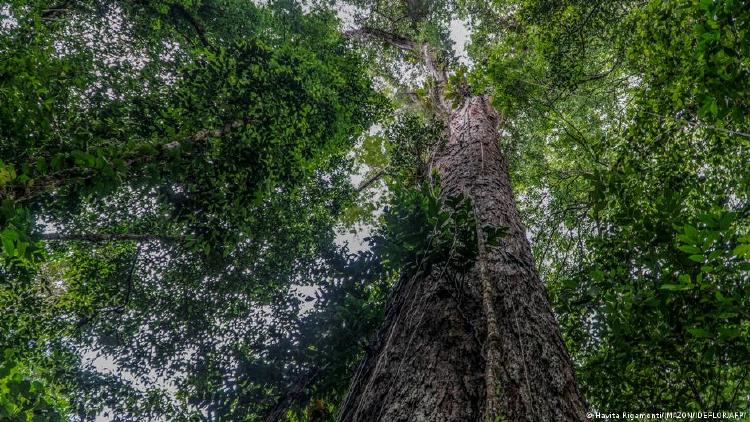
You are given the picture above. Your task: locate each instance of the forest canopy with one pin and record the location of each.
(209, 208)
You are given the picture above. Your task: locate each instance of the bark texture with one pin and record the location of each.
(485, 346)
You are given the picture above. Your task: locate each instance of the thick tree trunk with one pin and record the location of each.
(475, 348)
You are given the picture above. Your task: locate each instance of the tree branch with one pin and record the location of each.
(62, 177)
(696, 394)
(56, 11)
(190, 19)
(130, 275)
(296, 396)
(373, 34)
(429, 57)
(205, 134)
(108, 237)
(374, 178)
(738, 387)
(437, 71)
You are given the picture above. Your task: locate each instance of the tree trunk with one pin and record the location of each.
(483, 347)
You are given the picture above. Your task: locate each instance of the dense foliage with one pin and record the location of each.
(185, 163)
(173, 174)
(630, 131)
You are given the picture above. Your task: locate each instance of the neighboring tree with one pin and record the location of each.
(170, 171)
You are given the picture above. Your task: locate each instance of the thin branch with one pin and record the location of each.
(197, 26)
(728, 131)
(205, 134)
(296, 396)
(130, 275)
(429, 56)
(56, 11)
(62, 177)
(699, 125)
(108, 237)
(696, 394)
(373, 34)
(737, 388)
(374, 178)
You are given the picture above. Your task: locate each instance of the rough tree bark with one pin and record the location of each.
(481, 347)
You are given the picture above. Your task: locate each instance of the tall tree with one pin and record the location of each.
(169, 170)
(477, 345)
(172, 171)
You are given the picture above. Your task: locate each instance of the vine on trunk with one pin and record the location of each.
(423, 228)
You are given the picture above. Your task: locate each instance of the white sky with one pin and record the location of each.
(460, 36)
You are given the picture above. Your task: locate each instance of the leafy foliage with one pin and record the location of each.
(187, 164)
(172, 173)
(630, 152)
(423, 230)
(23, 398)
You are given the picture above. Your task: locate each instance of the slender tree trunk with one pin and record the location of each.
(471, 348)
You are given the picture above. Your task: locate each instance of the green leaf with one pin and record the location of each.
(699, 332)
(690, 249)
(691, 233)
(696, 258)
(728, 333)
(708, 220)
(675, 287)
(742, 251)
